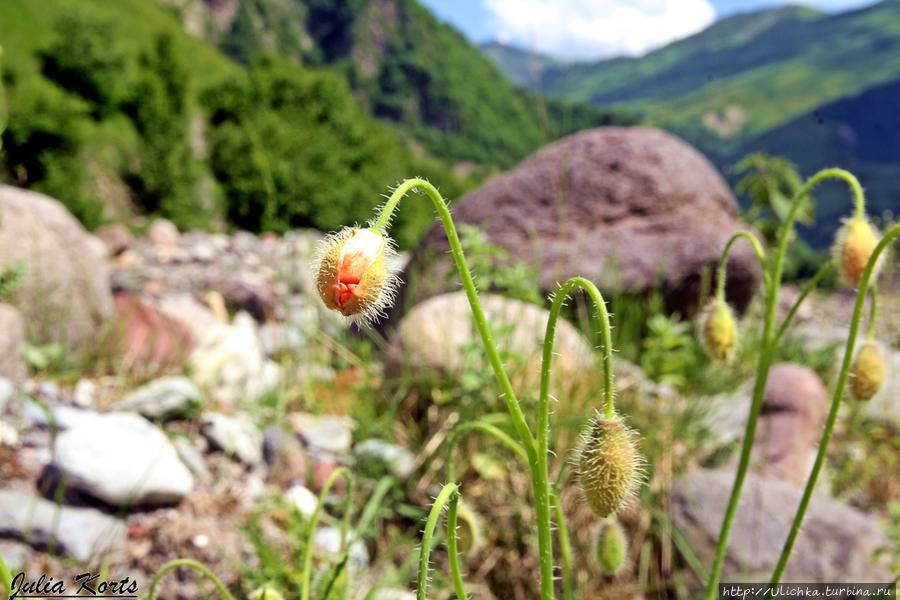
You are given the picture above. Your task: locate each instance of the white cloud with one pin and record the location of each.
(588, 29)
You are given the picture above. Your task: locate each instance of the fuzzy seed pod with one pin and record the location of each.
(266, 592)
(353, 273)
(718, 330)
(867, 373)
(609, 466)
(611, 544)
(855, 241)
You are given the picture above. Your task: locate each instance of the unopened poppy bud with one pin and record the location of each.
(609, 466)
(611, 545)
(868, 372)
(266, 592)
(718, 330)
(855, 241)
(353, 274)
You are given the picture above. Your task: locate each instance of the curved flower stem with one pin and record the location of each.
(449, 495)
(807, 290)
(873, 311)
(767, 351)
(723, 261)
(835, 404)
(539, 483)
(306, 576)
(190, 564)
(565, 548)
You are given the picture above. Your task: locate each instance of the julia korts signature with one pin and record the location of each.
(82, 585)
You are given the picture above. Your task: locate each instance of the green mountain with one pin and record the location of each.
(747, 73)
(522, 67)
(858, 133)
(406, 67)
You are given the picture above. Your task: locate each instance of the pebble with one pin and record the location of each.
(163, 398)
(303, 499)
(82, 533)
(236, 436)
(121, 459)
(398, 461)
(327, 434)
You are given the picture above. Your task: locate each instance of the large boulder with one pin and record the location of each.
(836, 543)
(629, 208)
(65, 294)
(436, 337)
(12, 342)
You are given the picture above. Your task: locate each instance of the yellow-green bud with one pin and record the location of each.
(611, 546)
(868, 372)
(609, 466)
(854, 243)
(266, 592)
(718, 330)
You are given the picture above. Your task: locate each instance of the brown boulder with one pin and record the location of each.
(630, 208)
(793, 414)
(147, 341)
(65, 294)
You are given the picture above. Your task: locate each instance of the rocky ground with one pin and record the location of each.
(160, 393)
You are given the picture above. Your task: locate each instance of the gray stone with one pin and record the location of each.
(836, 542)
(82, 533)
(398, 461)
(328, 434)
(192, 458)
(123, 460)
(236, 436)
(303, 499)
(162, 398)
(12, 343)
(434, 337)
(65, 294)
(84, 394)
(328, 540)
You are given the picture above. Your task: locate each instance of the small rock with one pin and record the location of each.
(230, 365)
(236, 436)
(147, 341)
(328, 540)
(84, 393)
(321, 472)
(192, 458)
(163, 233)
(162, 398)
(8, 435)
(121, 459)
(836, 542)
(83, 533)
(115, 237)
(301, 497)
(328, 434)
(398, 461)
(59, 417)
(285, 456)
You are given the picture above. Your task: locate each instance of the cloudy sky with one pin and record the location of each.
(587, 29)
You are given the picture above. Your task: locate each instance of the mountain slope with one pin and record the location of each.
(406, 67)
(522, 67)
(747, 73)
(859, 133)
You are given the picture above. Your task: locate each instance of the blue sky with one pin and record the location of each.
(586, 29)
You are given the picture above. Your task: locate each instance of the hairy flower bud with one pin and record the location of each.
(718, 330)
(609, 466)
(353, 274)
(266, 592)
(855, 241)
(611, 545)
(867, 373)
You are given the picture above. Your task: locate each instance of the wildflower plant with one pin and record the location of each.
(609, 460)
(858, 253)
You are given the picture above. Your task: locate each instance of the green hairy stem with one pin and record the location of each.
(306, 577)
(769, 342)
(188, 563)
